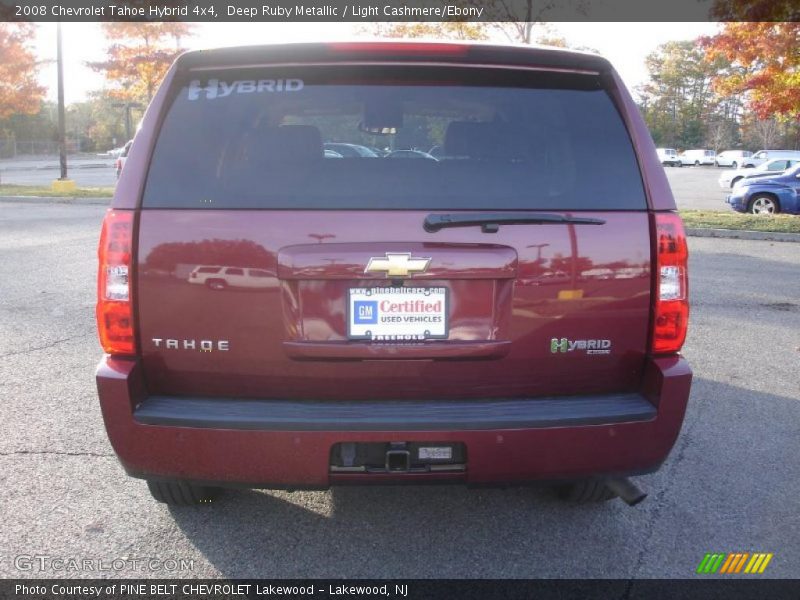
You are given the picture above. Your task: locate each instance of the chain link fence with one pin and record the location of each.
(13, 148)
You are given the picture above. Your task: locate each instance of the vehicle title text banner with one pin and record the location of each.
(390, 11)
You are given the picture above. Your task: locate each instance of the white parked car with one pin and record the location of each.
(697, 157)
(777, 165)
(763, 156)
(120, 162)
(668, 156)
(733, 158)
(222, 278)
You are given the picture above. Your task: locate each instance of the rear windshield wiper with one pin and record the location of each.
(490, 222)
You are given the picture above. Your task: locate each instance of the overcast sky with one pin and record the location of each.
(624, 44)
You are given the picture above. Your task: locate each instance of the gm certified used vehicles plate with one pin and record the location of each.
(275, 315)
(397, 313)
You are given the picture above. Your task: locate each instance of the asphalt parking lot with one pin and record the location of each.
(697, 187)
(731, 484)
(85, 170)
(693, 187)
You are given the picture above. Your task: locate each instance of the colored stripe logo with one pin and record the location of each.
(734, 562)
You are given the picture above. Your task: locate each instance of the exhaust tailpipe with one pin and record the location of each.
(626, 490)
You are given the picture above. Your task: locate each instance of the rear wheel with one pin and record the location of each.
(181, 494)
(216, 284)
(697, 163)
(763, 205)
(585, 492)
(734, 165)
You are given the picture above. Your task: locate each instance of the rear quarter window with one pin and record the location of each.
(437, 140)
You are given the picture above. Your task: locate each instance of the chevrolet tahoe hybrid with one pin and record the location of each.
(509, 311)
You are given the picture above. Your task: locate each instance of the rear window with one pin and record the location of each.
(422, 138)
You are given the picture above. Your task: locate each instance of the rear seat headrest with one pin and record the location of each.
(286, 143)
(473, 139)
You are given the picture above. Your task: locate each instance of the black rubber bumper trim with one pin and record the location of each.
(393, 415)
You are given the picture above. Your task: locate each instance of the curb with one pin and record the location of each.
(56, 200)
(55, 168)
(744, 234)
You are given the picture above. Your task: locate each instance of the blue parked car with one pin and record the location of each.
(769, 194)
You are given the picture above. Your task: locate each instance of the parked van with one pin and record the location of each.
(668, 157)
(733, 158)
(411, 332)
(698, 157)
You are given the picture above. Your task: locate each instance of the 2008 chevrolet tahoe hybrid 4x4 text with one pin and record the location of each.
(505, 303)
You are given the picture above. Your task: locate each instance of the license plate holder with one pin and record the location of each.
(397, 314)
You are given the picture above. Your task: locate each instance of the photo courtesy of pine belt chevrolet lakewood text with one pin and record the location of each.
(392, 262)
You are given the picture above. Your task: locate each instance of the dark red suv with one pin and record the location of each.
(496, 293)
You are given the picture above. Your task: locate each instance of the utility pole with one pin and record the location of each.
(62, 184)
(62, 133)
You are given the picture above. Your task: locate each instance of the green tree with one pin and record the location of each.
(677, 100)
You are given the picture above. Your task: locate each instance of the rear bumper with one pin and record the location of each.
(265, 443)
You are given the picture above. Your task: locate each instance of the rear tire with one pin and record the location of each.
(588, 491)
(181, 494)
(216, 284)
(734, 165)
(697, 163)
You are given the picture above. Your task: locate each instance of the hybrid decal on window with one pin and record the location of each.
(564, 346)
(220, 89)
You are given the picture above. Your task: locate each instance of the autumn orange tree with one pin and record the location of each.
(765, 60)
(19, 91)
(138, 56)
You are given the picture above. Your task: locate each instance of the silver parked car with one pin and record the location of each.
(730, 178)
(763, 156)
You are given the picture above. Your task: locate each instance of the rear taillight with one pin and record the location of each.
(114, 307)
(672, 285)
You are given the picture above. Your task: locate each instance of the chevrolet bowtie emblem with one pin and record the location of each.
(397, 264)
